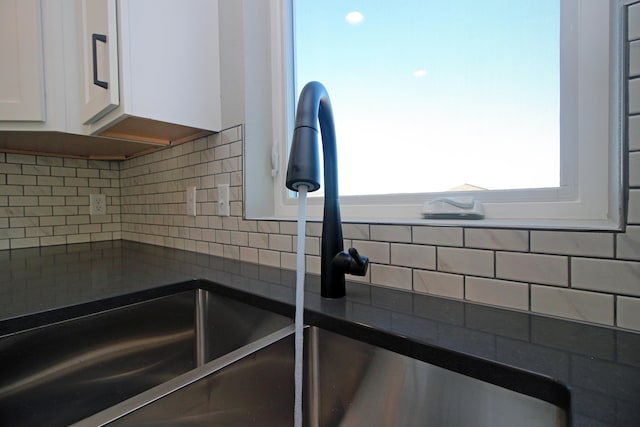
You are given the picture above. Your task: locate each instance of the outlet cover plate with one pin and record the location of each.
(191, 201)
(223, 200)
(97, 204)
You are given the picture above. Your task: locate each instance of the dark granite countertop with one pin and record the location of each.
(599, 366)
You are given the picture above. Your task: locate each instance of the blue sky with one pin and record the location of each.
(483, 108)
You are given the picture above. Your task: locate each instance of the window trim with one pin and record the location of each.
(599, 195)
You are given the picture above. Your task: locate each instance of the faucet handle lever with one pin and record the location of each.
(351, 262)
(356, 257)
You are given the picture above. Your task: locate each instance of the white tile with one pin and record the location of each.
(222, 152)
(465, 261)
(621, 277)
(628, 313)
(391, 233)
(419, 256)
(25, 159)
(231, 135)
(497, 292)
(213, 140)
(235, 148)
(21, 180)
(311, 245)
(280, 242)
(271, 227)
(247, 225)
(288, 261)
(634, 169)
(239, 238)
(215, 249)
(440, 236)
(573, 304)
(289, 227)
(377, 252)
(194, 233)
(441, 284)
(49, 161)
(51, 180)
(395, 277)
(98, 237)
(230, 223)
(629, 244)
(31, 242)
(52, 240)
(271, 258)
(634, 96)
(313, 265)
(355, 231)
(223, 237)
(17, 222)
(231, 251)
(313, 229)
(11, 190)
(508, 240)
(10, 168)
(572, 243)
(634, 59)
(633, 22)
(61, 230)
(534, 268)
(634, 131)
(78, 238)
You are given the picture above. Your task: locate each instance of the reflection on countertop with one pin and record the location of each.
(600, 366)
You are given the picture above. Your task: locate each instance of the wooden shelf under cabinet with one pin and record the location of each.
(60, 144)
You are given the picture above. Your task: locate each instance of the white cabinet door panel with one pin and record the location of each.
(21, 61)
(99, 58)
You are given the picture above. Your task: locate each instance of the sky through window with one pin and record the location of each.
(431, 95)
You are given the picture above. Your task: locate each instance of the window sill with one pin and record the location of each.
(570, 225)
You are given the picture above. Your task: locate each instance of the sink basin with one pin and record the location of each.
(64, 372)
(346, 383)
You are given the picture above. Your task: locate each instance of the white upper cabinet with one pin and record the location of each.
(21, 64)
(139, 71)
(98, 58)
(37, 65)
(168, 66)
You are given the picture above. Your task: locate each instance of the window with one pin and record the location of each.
(470, 89)
(561, 59)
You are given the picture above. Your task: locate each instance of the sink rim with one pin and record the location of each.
(517, 379)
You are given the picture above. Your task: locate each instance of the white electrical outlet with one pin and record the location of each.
(97, 204)
(223, 200)
(191, 201)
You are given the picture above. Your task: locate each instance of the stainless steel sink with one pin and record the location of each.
(346, 383)
(64, 372)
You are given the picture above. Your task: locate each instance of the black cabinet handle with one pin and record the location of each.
(94, 39)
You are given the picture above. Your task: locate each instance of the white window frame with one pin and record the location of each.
(591, 192)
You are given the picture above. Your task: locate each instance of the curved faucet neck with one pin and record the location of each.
(314, 107)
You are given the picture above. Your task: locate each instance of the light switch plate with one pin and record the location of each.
(191, 201)
(97, 204)
(223, 200)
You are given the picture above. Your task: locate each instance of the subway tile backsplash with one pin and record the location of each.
(45, 200)
(586, 276)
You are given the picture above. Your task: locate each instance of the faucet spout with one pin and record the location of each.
(314, 107)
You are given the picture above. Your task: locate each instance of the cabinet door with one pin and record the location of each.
(21, 65)
(99, 58)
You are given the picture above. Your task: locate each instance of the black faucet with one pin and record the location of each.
(304, 169)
